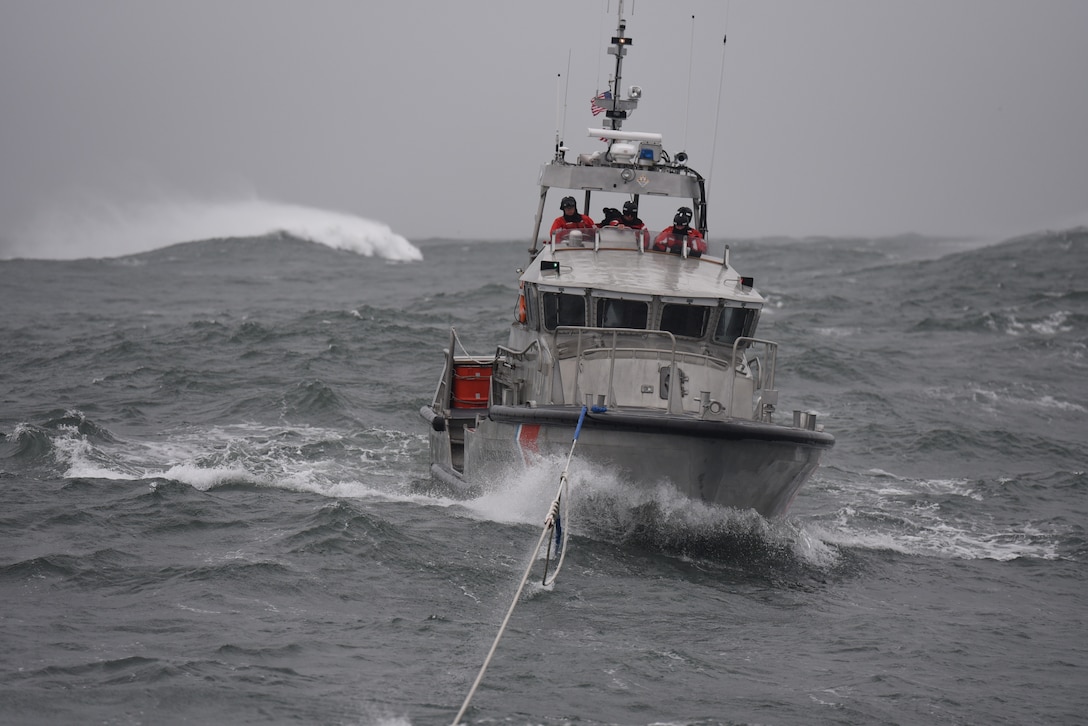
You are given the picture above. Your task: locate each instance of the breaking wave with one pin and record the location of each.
(101, 230)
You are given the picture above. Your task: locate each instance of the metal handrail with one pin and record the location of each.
(503, 352)
(442, 392)
(672, 403)
(610, 344)
(764, 381)
(772, 356)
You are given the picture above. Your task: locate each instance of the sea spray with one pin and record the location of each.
(99, 229)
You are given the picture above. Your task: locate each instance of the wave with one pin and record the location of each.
(946, 518)
(363, 464)
(878, 512)
(952, 518)
(103, 230)
(654, 518)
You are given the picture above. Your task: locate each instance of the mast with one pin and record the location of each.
(621, 108)
(633, 163)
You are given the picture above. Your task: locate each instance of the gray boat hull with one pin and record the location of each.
(737, 463)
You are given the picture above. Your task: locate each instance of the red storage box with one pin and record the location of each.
(471, 383)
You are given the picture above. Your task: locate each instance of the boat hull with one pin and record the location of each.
(735, 463)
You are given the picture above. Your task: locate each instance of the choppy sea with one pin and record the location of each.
(216, 505)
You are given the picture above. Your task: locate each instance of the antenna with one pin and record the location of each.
(717, 115)
(600, 33)
(558, 115)
(691, 64)
(561, 125)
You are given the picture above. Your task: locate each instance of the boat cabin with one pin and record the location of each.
(603, 319)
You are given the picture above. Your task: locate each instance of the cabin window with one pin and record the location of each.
(563, 309)
(735, 323)
(686, 320)
(613, 313)
(532, 318)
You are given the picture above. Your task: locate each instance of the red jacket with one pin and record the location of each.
(582, 221)
(671, 239)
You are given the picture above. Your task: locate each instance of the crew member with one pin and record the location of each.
(611, 217)
(671, 238)
(570, 219)
(629, 218)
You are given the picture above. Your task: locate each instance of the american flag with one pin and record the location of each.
(595, 105)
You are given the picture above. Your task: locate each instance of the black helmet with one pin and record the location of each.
(568, 202)
(683, 216)
(630, 208)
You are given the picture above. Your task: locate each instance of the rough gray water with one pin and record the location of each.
(217, 507)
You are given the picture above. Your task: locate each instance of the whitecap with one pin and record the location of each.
(1053, 324)
(101, 229)
(912, 519)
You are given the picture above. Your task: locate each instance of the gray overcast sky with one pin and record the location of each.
(966, 117)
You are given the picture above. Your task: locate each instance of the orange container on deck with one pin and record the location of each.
(471, 383)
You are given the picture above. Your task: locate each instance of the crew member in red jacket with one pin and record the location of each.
(629, 218)
(671, 238)
(570, 219)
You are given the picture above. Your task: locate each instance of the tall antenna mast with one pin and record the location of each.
(621, 109)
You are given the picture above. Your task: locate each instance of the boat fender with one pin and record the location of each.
(599, 409)
(438, 423)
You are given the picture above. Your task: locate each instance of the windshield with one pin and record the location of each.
(563, 309)
(735, 323)
(612, 313)
(686, 320)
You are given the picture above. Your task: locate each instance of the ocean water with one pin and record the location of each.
(217, 506)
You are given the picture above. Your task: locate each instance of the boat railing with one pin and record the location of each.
(534, 371)
(752, 359)
(633, 240)
(625, 238)
(762, 368)
(511, 368)
(592, 341)
(441, 393)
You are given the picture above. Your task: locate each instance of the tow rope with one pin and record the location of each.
(553, 521)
